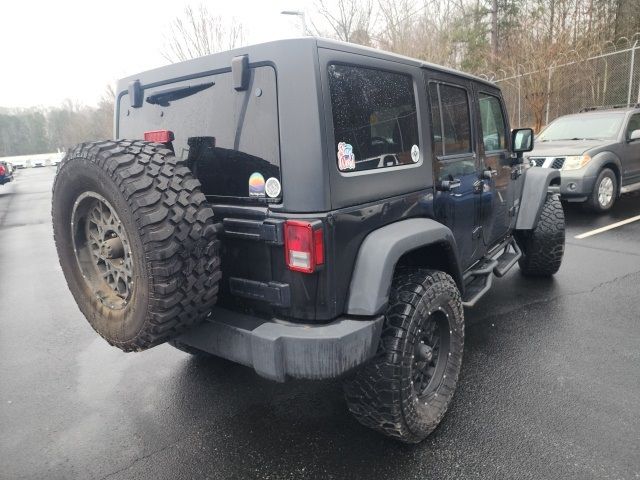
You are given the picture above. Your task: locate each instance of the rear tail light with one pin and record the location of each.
(3, 170)
(159, 136)
(303, 245)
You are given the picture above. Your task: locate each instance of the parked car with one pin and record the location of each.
(18, 163)
(597, 152)
(262, 233)
(56, 159)
(6, 173)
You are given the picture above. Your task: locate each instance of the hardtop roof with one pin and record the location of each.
(385, 55)
(197, 63)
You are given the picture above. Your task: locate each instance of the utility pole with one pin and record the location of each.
(298, 13)
(494, 31)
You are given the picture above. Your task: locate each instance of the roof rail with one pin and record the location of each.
(609, 107)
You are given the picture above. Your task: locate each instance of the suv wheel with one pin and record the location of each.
(605, 191)
(543, 247)
(136, 241)
(406, 389)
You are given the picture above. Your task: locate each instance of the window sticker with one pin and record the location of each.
(415, 153)
(256, 185)
(272, 187)
(346, 158)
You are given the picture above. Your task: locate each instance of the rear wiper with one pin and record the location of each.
(163, 97)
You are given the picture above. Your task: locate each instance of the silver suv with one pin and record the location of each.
(597, 152)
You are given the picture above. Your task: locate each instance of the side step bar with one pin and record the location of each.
(478, 280)
(630, 188)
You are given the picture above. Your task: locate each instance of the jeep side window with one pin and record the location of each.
(494, 134)
(374, 117)
(451, 129)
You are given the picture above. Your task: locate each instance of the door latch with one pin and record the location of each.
(448, 185)
(489, 174)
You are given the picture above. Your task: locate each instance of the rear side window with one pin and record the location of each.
(451, 122)
(494, 134)
(374, 118)
(230, 138)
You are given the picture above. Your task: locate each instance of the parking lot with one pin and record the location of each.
(549, 389)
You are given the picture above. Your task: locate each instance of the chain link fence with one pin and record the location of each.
(571, 83)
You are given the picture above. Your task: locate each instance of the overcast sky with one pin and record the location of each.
(58, 49)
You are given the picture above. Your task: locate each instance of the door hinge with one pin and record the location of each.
(516, 172)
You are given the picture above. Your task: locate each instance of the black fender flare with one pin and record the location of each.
(379, 254)
(534, 194)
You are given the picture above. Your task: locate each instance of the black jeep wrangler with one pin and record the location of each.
(311, 209)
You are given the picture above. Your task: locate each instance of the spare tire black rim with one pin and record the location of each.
(102, 250)
(431, 352)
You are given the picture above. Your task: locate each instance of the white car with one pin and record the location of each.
(40, 162)
(57, 158)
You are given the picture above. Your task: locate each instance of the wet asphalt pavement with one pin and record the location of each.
(550, 387)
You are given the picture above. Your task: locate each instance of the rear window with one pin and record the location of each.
(230, 138)
(374, 118)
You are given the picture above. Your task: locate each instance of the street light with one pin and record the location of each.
(297, 13)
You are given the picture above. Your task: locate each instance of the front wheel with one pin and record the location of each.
(604, 193)
(543, 247)
(406, 389)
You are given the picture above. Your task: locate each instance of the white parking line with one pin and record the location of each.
(608, 227)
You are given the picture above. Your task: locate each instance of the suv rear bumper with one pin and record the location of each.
(574, 186)
(278, 349)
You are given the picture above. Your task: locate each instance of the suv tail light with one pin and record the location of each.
(2, 170)
(303, 245)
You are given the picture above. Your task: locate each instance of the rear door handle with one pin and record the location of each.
(448, 185)
(489, 173)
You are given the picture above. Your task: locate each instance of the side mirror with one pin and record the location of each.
(522, 140)
(635, 135)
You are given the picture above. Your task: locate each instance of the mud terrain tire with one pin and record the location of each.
(136, 241)
(543, 247)
(392, 394)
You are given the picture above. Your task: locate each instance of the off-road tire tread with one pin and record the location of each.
(378, 394)
(176, 227)
(543, 247)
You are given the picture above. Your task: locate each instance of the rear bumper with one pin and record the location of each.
(277, 350)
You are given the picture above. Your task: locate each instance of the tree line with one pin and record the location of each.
(41, 130)
(478, 35)
(472, 35)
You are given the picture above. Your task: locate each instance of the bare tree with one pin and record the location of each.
(348, 20)
(199, 33)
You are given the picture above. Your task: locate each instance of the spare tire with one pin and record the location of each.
(136, 241)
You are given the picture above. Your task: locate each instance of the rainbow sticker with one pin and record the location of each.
(256, 185)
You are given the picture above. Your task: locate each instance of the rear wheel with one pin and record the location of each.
(136, 241)
(406, 389)
(605, 192)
